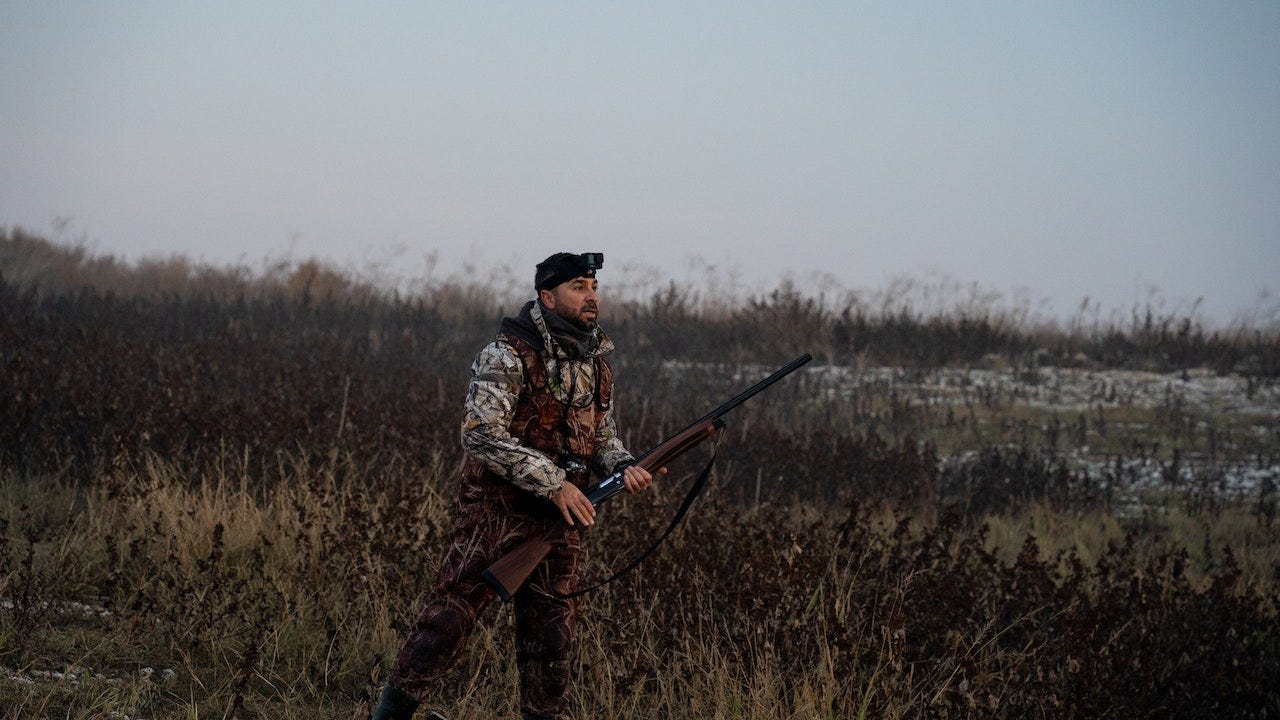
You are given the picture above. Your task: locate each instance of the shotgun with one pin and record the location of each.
(509, 572)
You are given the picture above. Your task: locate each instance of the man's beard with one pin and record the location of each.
(579, 320)
(588, 324)
(574, 320)
(582, 323)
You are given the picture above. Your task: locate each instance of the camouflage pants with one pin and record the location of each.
(544, 623)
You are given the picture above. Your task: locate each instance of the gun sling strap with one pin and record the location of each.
(694, 491)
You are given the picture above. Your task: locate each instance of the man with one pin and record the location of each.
(538, 422)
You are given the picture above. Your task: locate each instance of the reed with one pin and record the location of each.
(290, 602)
(225, 498)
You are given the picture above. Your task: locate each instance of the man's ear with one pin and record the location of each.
(548, 298)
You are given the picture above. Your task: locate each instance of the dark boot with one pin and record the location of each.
(394, 705)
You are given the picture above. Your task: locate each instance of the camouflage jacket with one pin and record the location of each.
(519, 454)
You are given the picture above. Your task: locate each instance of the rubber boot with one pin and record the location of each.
(394, 705)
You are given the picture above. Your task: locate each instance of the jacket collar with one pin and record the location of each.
(530, 326)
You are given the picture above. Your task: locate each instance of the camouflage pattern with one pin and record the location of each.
(491, 437)
(545, 623)
(527, 411)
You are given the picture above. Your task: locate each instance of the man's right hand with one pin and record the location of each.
(574, 504)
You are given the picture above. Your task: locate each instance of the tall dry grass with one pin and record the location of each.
(222, 494)
(286, 599)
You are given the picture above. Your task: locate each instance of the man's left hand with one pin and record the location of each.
(637, 478)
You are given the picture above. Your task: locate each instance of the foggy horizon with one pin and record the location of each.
(1049, 153)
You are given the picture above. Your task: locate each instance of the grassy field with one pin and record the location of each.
(223, 494)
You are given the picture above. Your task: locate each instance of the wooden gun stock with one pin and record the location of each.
(510, 571)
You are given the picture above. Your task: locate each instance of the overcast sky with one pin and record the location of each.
(1053, 150)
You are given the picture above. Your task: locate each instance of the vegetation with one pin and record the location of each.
(223, 493)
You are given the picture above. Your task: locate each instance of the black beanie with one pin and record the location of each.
(564, 266)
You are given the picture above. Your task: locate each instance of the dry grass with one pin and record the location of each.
(289, 602)
(227, 501)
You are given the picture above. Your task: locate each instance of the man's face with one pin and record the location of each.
(576, 300)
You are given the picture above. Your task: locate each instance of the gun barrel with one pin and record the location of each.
(758, 388)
